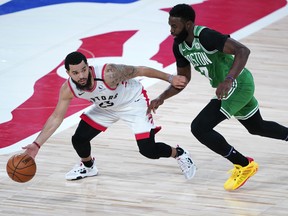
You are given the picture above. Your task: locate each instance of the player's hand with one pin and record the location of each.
(223, 89)
(31, 150)
(154, 104)
(179, 81)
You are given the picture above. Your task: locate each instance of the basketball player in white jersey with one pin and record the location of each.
(115, 95)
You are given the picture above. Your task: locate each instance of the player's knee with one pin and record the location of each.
(81, 146)
(148, 149)
(254, 131)
(76, 141)
(195, 129)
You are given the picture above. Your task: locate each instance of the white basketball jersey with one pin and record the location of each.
(105, 97)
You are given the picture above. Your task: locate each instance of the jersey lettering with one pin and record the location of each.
(198, 59)
(105, 99)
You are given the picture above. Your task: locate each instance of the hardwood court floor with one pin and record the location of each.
(129, 184)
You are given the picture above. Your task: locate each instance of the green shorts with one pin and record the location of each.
(240, 101)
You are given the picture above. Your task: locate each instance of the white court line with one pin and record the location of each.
(4, 1)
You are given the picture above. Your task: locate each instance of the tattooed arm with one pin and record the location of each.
(116, 73)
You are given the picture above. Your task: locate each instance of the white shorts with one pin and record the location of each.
(133, 115)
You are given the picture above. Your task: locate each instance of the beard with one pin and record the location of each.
(181, 36)
(88, 84)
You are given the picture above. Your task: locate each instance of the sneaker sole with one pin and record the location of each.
(81, 177)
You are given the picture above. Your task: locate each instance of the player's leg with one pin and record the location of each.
(144, 129)
(94, 121)
(155, 150)
(81, 143)
(202, 128)
(257, 126)
(217, 111)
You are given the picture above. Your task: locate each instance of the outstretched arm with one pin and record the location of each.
(53, 122)
(116, 73)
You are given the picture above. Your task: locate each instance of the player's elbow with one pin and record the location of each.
(244, 52)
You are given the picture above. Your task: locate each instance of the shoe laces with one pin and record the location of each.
(185, 163)
(184, 167)
(235, 172)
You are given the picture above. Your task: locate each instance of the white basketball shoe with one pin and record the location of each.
(80, 171)
(186, 165)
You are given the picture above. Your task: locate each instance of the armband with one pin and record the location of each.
(230, 77)
(170, 78)
(37, 144)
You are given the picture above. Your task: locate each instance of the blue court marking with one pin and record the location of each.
(20, 5)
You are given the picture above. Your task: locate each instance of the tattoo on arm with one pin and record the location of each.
(116, 73)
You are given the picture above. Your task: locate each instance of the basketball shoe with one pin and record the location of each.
(80, 171)
(186, 164)
(240, 175)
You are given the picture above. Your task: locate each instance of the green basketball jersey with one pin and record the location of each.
(214, 64)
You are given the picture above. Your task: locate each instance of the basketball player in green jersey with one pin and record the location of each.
(222, 60)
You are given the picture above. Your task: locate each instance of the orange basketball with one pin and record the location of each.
(21, 167)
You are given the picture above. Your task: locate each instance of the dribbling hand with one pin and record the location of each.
(31, 150)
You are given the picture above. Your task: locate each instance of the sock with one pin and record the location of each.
(180, 151)
(88, 163)
(237, 158)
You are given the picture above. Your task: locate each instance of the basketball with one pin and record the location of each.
(21, 168)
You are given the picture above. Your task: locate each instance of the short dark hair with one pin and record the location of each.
(74, 58)
(184, 11)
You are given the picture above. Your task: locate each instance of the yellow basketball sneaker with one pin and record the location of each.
(240, 175)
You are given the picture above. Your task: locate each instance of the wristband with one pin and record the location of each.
(230, 77)
(170, 78)
(37, 144)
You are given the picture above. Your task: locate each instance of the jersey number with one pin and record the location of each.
(204, 71)
(106, 104)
